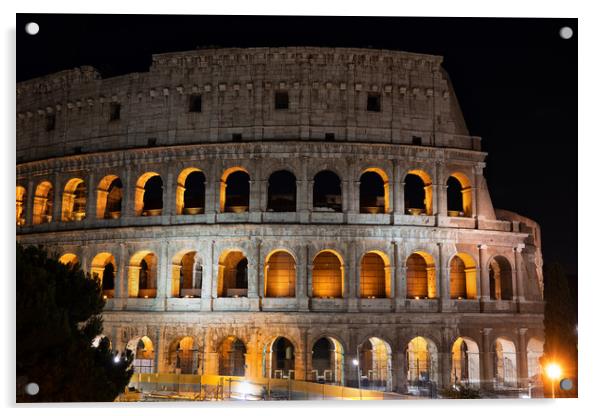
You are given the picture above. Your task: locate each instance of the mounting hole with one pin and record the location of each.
(566, 32)
(566, 384)
(32, 389)
(32, 28)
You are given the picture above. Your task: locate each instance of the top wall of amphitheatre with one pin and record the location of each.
(412, 102)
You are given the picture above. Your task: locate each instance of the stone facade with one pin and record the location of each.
(348, 111)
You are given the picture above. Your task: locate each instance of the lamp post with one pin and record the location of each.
(554, 372)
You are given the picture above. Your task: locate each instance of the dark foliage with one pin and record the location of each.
(460, 392)
(560, 321)
(58, 317)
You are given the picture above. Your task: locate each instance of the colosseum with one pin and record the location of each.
(301, 213)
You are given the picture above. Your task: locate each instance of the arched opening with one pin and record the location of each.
(375, 365)
(187, 275)
(500, 279)
(465, 362)
(504, 363)
(459, 196)
(109, 197)
(279, 359)
(144, 354)
(43, 202)
(183, 356)
(235, 190)
(69, 259)
(280, 275)
(74, 200)
(422, 362)
(375, 276)
(421, 276)
(21, 205)
(149, 195)
(190, 192)
(282, 192)
(327, 194)
(104, 269)
(232, 354)
(142, 281)
(374, 192)
(327, 361)
(534, 354)
(418, 193)
(462, 277)
(327, 275)
(233, 281)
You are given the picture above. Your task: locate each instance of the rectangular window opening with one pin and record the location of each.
(329, 137)
(114, 111)
(373, 103)
(236, 137)
(417, 140)
(50, 122)
(151, 142)
(195, 105)
(281, 100)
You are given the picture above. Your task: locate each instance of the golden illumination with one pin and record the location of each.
(74, 200)
(466, 192)
(428, 189)
(140, 190)
(421, 276)
(43, 203)
(553, 371)
(327, 275)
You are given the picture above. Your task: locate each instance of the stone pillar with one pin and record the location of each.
(301, 273)
(29, 203)
(442, 278)
(163, 275)
(351, 379)
(398, 191)
(57, 199)
(445, 359)
(400, 377)
(253, 275)
(310, 269)
(169, 194)
(158, 346)
(121, 272)
(400, 278)
(310, 195)
(129, 193)
(352, 286)
(211, 208)
(522, 359)
(91, 198)
(354, 194)
(174, 289)
(255, 199)
(440, 189)
(486, 364)
(263, 195)
(518, 283)
(346, 202)
(484, 274)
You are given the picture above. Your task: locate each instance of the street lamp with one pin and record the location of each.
(554, 372)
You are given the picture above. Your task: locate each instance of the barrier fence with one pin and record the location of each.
(215, 387)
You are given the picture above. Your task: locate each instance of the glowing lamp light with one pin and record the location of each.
(417, 297)
(355, 361)
(116, 359)
(145, 296)
(553, 371)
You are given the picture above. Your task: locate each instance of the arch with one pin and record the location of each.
(500, 279)
(327, 194)
(144, 354)
(69, 259)
(279, 359)
(183, 356)
(418, 193)
(186, 275)
(328, 275)
(375, 275)
(376, 364)
(235, 190)
(421, 276)
(374, 191)
(104, 269)
(190, 192)
(327, 361)
(233, 278)
(74, 200)
(465, 362)
(462, 277)
(282, 192)
(21, 205)
(534, 354)
(422, 361)
(148, 200)
(504, 363)
(232, 357)
(280, 275)
(459, 195)
(142, 279)
(109, 197)
(43, 202)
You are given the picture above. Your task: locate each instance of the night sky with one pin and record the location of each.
(516, 81)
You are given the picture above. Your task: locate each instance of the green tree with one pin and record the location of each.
(560, 322)
(58, 316)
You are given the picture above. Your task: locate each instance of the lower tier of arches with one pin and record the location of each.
(388, 353)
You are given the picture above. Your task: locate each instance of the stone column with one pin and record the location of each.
(354, 194)
(346, 198)
(158, 346)
(29, 203)
(484, 274)
(518, 275)
(253, 275)
(352, 283)
(486, 364)
(400, 377)
(255, 197)
(351, 369)
(522, 359)
(58, 199)
(400, 278)
(263, 195)
(398, 191)
(91, 198)
(174, 289)
(310, 196)
(440, 189)
(121, 275)
(445, 359)
(163, 275)
(301, 273)
(129, 193)
(169, 194)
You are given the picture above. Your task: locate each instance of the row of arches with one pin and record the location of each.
(280, 275)
(326, 361)
(235, 194)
